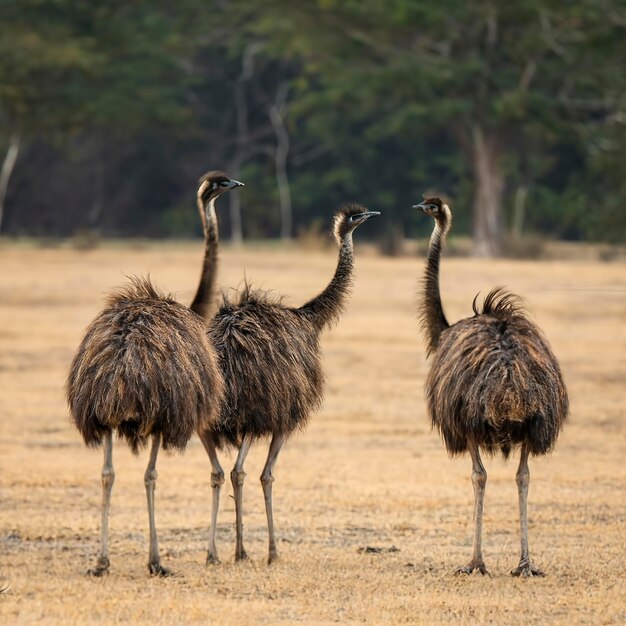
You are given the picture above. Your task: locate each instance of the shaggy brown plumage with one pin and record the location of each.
(144, 366)
(493, 380)
(269, 353)
(147, 369)
(493, 383)
(270, 356)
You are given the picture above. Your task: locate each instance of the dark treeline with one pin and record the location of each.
(109, 113)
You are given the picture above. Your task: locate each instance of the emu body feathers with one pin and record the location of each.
(493, 384)
(494, 381)
(270, 357)
(144, 366)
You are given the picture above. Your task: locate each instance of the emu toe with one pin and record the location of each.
(101, 568)
(526, 569)
(473, 565)
(241, 555)
(212, 559)
(156, 569)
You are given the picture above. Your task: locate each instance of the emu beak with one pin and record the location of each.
(419, 207)
(369, 214)
(235, 183)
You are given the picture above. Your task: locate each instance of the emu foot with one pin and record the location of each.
(526, 569)
(273, 557)
(101, 568)
(156, 569)
(241, 555)
(474, 564)
(211, 559)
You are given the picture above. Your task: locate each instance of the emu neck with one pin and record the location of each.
(203, 302)
(325, 309)
(433, 319)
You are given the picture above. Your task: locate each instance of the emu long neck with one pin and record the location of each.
(205, 295)
(326, 308)
(433, 319)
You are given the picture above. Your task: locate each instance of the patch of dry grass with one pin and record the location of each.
(367, 472)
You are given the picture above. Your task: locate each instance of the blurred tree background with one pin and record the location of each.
(109, 113)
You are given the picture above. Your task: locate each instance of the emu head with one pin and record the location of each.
(213, 184)
(437, 208)
(348, 217)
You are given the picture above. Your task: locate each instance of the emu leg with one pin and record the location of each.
(150, 478)
(217, 480)
(108, 477)
(479, 480)
(522, 478)
(267, 478)
(237, 477)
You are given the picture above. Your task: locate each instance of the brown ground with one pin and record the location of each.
(367, 472)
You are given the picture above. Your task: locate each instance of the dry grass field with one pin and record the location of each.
(367, 472)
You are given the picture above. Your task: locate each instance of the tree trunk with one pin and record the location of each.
(488, 195)
(241, 110)
(519, 210)
(98, 187)
(7, 169)
(277, 117)
(234, 206)
(284, 194)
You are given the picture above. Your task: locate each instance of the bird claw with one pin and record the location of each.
(101, 568)
(156, 569)
(241, 555)
(273, 557)
(212, 559)
(526, 570)
(473, 565)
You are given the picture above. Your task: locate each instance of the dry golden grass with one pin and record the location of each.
(367, 472)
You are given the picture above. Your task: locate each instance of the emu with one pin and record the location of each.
(494, 384)
(145, 369)
(269, 355)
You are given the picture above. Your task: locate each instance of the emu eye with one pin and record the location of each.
(213, 185)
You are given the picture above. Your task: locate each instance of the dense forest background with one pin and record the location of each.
(110, 111)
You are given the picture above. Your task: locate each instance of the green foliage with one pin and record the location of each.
(125, 104)
(109, 67)
(406, 77)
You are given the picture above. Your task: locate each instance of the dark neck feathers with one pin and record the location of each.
(325, 309)
(205, 295)
(432, 317)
